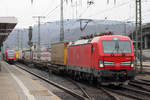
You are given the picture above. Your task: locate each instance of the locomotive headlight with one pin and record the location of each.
(132, 65)
(101, 65)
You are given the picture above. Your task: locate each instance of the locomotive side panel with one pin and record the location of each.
(79, 56)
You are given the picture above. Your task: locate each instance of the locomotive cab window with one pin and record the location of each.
(116, 46)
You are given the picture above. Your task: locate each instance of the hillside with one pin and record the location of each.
(50, 31)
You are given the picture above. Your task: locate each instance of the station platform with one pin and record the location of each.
(15, 85)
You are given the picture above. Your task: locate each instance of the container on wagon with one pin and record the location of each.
(59, 53)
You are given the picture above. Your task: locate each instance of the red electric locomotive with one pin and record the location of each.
(108, 59)
(10, 56)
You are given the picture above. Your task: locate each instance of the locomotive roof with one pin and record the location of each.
(80, 42)
(110, 37)
(96, 39)
(113, 36)
(10, 50)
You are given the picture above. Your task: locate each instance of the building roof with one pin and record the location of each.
(147, 25)
(7, 24)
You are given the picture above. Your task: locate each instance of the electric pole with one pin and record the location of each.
(18, 39)
(125, 29)
(76, 9)
(39, 23)
(139, 32)
(21, 38)
(61, 22)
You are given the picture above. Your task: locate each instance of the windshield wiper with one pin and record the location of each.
(122, 51)
(116, 47)
(112, 54)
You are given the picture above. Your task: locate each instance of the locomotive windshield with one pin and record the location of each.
(116, 46)
(11, 53)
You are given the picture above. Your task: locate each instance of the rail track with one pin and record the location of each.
(145, 80)
(89, 93)
(137, 89)
(142, 81)
(145, 86)
(145, 72)
(82, 89)
(130, 92)
(94, 93)
(80, 97)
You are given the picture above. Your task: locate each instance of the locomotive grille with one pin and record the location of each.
(127, 63)
(108, 63)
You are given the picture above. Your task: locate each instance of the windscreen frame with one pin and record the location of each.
(130, 51)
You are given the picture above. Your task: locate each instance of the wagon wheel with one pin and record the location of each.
(99, 80)
(91, 80)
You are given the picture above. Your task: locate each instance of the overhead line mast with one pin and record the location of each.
(18, 37)
(61, 22)
(39, 23)
(139, 32)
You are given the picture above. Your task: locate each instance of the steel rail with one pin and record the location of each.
(109, 93)
(101, 88)
(125, 94)
(140, 82)
(137, 91)
(145, 80)
(83, 90)
(139, 86)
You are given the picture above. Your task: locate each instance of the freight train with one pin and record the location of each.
(107, 59)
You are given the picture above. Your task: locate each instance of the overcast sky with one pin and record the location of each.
(123, 10)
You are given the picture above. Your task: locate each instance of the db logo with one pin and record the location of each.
(128, 58)
(117, 64)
